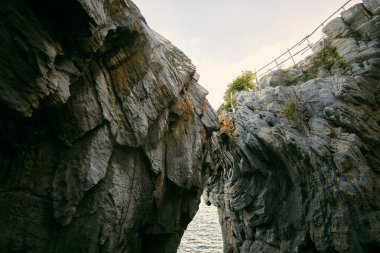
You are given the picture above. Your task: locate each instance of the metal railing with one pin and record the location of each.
(300, 48)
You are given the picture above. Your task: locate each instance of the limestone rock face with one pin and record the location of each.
(105, 133)
(297, 167)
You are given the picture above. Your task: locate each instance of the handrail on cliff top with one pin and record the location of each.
(277, 65)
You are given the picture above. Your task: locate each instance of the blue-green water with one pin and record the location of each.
(203, 235)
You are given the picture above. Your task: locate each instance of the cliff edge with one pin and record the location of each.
(105, 132)
(297, 165)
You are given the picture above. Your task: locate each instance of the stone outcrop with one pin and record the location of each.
(105, 133)
(297, 167)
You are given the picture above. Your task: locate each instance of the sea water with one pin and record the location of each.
(203, 234)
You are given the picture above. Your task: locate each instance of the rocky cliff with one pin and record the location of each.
(104, 134)
(297, 165)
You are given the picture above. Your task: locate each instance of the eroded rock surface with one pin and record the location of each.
(297, 167)
(104, 135)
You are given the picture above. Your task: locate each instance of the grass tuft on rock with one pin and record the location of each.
(291, 111)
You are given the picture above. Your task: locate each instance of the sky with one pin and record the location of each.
(224, 37)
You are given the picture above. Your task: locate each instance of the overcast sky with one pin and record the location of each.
(224, 37)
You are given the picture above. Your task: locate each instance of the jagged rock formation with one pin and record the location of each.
(297, 167)
(104, 135)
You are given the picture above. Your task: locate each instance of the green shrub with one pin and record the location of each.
(243, 82)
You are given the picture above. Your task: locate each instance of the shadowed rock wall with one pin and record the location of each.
(104, 135)
(297, 167)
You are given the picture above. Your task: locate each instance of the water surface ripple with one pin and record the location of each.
(203, 235)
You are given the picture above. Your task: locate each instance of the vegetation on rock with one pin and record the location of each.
(244, 82)
(291, 111)
(326, 59)
(297, 114)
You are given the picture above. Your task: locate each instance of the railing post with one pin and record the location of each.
(294, 63)
(308, 42)
(323, 37)
(232, 104)
(278, 66)
(257, 80)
